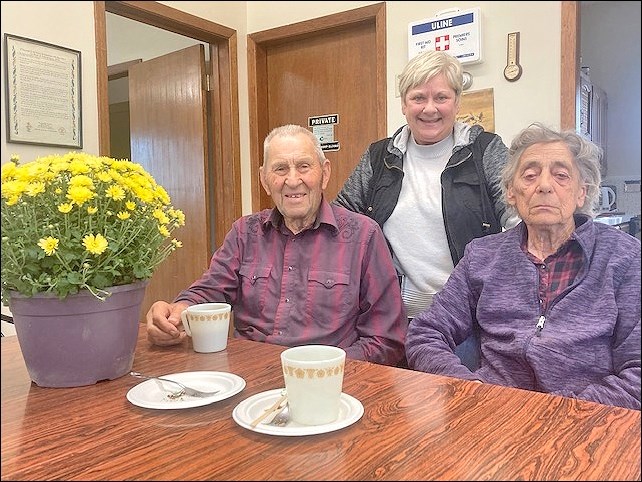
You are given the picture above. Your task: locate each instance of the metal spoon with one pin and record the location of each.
(184, 390)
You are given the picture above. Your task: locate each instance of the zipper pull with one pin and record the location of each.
(540, 325)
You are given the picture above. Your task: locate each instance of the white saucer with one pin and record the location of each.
(148, 394)
(245, 412)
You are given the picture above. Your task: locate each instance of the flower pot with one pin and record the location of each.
(78, 340)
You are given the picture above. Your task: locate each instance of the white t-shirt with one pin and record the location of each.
(415, 229)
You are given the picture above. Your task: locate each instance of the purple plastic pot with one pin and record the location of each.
(78, 340)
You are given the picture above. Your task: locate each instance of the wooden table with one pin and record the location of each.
(416, 426)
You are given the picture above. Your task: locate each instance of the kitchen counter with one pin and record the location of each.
(626, 222)
(613, 218)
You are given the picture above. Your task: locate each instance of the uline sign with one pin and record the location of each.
(457, 33)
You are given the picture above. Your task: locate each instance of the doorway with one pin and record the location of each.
(223, 184)
(300, 71)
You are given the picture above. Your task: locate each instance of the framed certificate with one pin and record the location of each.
(43, 93)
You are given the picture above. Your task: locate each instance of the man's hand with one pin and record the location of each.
(164, 323)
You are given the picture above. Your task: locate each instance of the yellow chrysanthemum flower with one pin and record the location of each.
(12, 188)
(92, 210)
(65, 207)
(95, 244)
(13, 200)
(161, 216)
(79, 194)
(78, 166)
(49, 245)
(163, 230)
(123, 215)
(178, 215)
(35, 188)
(162, 195)
(104, 177)
(143, 194)
(8, 170)
(117, 193)
(81, 180)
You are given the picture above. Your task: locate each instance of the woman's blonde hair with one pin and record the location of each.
(425, 66)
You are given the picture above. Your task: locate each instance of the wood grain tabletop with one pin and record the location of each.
(415, 426)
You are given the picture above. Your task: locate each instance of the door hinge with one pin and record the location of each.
(207, 82)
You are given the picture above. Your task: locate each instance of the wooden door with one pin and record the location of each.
(169, 139)
(333, 65)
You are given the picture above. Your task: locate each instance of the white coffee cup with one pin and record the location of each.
(208, 324)
(313, 377)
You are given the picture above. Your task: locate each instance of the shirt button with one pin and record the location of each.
(287, 300)
(328, 282)
(290, 268)
(280, 332)
(543, 266)
(254, 277)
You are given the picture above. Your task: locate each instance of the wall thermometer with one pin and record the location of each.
(513, 70)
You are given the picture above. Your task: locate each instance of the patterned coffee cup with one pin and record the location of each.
(208, 325)
(313, 377)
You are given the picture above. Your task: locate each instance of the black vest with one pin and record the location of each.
(467, 205)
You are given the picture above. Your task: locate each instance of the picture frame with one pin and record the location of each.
(43, 93)
(478, 107)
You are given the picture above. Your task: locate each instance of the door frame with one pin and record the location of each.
(257, 47)
(570, 64)
(223, 96)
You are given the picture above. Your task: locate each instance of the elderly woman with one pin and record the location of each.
(556, 300)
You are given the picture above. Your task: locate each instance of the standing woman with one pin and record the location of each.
(434, 185)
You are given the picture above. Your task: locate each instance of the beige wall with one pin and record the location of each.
(68, 24)
(534, 97)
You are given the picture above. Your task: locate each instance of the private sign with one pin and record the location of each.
(323, 120)
(458, 34)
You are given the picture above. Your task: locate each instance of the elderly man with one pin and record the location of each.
(556, 300)
(304, 272)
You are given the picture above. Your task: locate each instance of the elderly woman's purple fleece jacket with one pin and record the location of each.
(589, 347)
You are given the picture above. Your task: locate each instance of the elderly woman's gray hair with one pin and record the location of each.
(586, 154)
(426, 65)
(290, 130)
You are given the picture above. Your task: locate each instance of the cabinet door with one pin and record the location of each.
(585, 106)
(598, 122)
